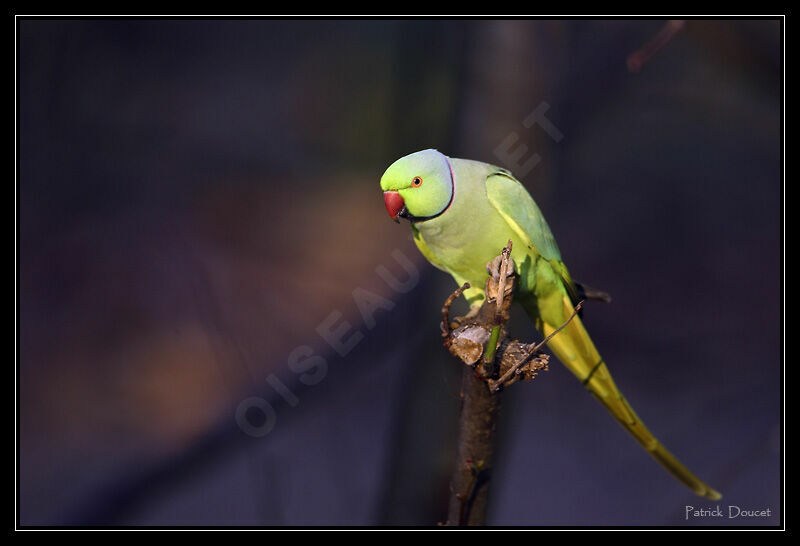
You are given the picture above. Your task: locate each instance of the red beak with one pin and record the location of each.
(394, 203)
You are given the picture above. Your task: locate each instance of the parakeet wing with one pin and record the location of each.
(573, 346)
(510, 198)
(519, 210)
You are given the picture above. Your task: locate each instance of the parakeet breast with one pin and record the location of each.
(471, 232)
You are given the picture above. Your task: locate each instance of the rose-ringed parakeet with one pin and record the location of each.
(461, 213)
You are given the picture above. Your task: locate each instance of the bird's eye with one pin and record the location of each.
(417, 182)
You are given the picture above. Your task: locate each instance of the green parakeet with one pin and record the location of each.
(462, 213)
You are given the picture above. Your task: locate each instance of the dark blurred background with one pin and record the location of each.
(197, 197)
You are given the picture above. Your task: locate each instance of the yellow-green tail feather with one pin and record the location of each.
(575, 349)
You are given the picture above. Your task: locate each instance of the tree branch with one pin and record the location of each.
(481, 338)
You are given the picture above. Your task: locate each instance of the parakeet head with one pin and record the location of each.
(418, 186)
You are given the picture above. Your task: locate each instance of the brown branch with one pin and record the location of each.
(495, 385)
(480, 337)
(637, 59)
(446, 309)
(470, 481)
(503, 274)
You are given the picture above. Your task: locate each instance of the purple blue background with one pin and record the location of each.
(196, 197)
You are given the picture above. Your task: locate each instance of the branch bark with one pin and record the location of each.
(493, 362)
(473, 466)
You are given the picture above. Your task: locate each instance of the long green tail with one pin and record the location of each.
(575, 349)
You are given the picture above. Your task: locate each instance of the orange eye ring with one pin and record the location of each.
(417, 182)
